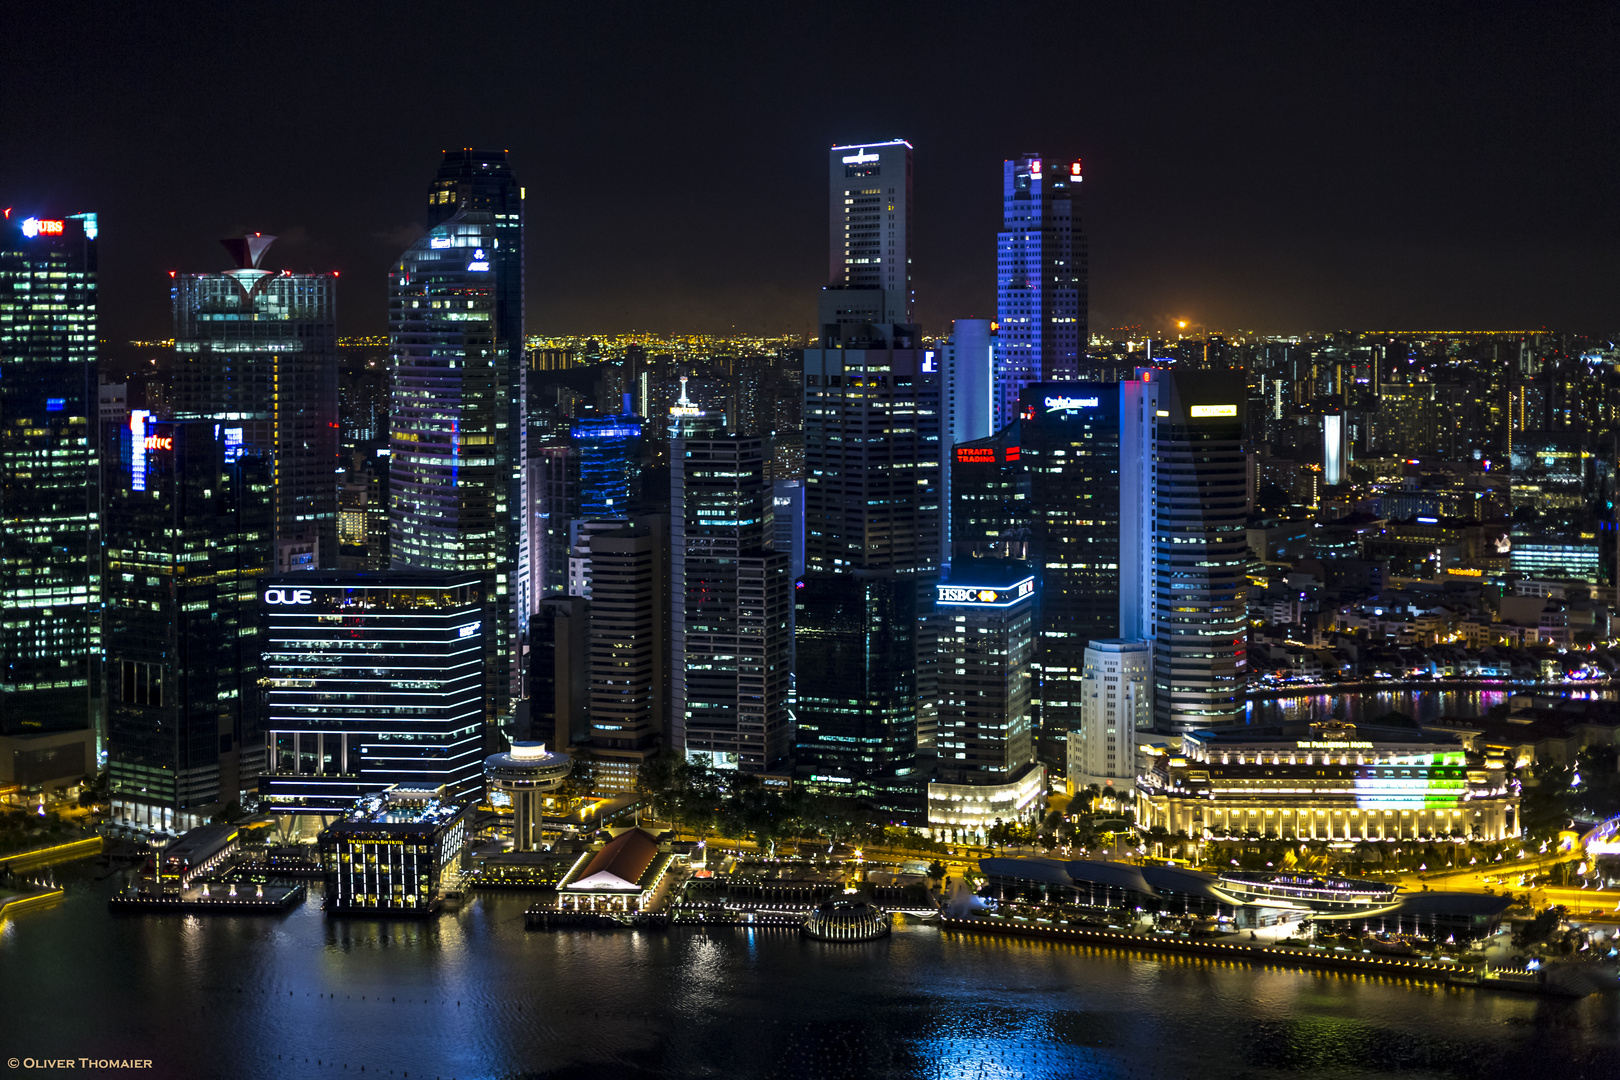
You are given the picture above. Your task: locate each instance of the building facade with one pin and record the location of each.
(395, 852)
(863, 619)
(1041, 276)
(451, 435)
(1329, 781)
(1116, 702)
(256, 352)
(869, 230)
(1183, 508)
(628, 665)
(731, 596)
(190, 527)
(373, 679)
(50, 579)
(1070, 439)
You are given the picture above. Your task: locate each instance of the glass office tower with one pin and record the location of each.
(50, 543)
(609, 452)
(1040, 278)
(869, 230)
(190, 527)
(1184, 496)
(450, 439)
(730, 594)
(481, 181)
(256, 352)
(1070, 447)
(865, 651)
(373, 679)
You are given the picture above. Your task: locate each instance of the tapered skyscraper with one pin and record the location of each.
(456, 333)
(1040, 278)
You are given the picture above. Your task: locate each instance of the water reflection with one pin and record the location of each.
(473, 994)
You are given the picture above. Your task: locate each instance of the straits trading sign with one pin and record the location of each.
(980, 596)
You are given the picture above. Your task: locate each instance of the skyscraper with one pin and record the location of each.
(1116, 702)
(460, 391)
(984, 745)
(451, 436)
(730, 597)
(190, 525)
(872, 520)
(256, 352)
(628, 665)
(1183, 508)
(967, 408)
(1040, 278)
(1070, 445)
(50, 543)
(869, 230)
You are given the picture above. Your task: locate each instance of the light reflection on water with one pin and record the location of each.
(475, 995)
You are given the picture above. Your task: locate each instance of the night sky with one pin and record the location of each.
(1291, 168)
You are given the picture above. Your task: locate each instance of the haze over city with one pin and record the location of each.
(1264, 168)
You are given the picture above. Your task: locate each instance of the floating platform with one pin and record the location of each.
(276, 899)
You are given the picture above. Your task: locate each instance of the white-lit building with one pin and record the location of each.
(1116, 701)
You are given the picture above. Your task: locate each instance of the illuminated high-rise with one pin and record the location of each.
(190, 532)
(1040, 278)
(460, 387)
(869, 229)
(730, 604)
(451, 433)
(256, 352)
(1183, 507)
(50, 645)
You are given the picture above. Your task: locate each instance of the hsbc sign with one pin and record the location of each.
(289, 596)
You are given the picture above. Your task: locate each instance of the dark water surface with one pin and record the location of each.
(475, 995)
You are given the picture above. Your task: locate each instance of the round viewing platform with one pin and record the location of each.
(847, 920)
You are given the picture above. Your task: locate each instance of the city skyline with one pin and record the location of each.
(1275, 174)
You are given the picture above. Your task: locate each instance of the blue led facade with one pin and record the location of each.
(609, 453)
(1040, 278)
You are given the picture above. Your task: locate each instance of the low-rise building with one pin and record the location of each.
(396, 852)
(1327, 781)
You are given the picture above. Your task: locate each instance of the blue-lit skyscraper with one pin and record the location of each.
(458, 476)
(1040, 278)
(451, 435)
(50, 544)
(609, 453)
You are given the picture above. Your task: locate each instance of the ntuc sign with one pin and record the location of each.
(289, 596)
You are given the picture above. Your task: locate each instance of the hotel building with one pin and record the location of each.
(1327, 781)
(394, 852)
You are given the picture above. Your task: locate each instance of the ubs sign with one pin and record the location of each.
(289, 596)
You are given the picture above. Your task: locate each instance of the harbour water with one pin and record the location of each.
(473, 994)
(1364, 706)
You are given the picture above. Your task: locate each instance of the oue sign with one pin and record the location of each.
(289, 596)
